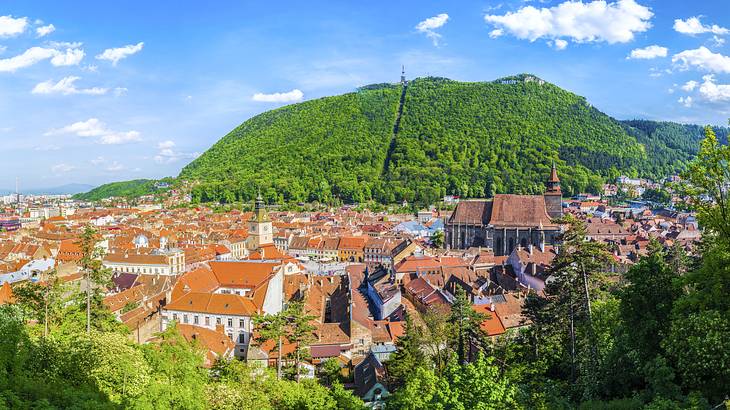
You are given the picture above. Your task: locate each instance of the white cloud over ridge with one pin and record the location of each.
(290, 96)
(596, 21)
(686, 101)
(648, 53)
(66, 86)
(711, 91)
(429, 26)
(10, 26)
(693, 26)
(93, 127)
(702, 58)
(168, 155)
(120, 53)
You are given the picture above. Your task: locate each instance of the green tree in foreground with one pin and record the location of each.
(292, 325)
(96, 276)
(562, 330)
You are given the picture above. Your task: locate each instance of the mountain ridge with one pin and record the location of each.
(472, 139)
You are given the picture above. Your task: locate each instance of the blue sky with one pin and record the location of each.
(93, 92)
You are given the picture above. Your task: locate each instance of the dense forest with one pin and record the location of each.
(126, 189)
(468, 139)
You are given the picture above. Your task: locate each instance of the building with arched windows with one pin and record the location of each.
(507, 221)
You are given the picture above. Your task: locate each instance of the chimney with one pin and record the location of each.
(529, 248)
(491, 307)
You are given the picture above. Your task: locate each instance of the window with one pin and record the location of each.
(230, 336)
(241, 338)
(217, 321)
(230, 322)
(241, 323)
(174, 317)
(195, 319)
(207, 320)
(185, 318)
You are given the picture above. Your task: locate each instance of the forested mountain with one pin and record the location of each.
(133, 188)
(436, 137)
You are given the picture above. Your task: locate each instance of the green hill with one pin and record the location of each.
(126, 189)
(438, 137)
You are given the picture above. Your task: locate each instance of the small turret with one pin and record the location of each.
(403, 75)
(553, 184)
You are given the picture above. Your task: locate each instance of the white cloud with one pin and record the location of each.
(702, 58)
(647, 53)
(64, 44)
(686, 101)
(166, 144)
(595, 21)
(116, 54)
(120, 91)
(717, 41)
(429, 26)
(291, 96)
(690, 85)
(713, 92)
(29, 57)
(97, 161)
(95, 128)
(66, 86)
(45, 30)
(34, 55)
(72, 56)
(693, 26)
(116, 138)
(2, 49)
(10, 26)
(558, 44)
(62, 168)
(167, 155)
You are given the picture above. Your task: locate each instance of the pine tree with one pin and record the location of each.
(564, 316)
(466, 322)
(407, 357)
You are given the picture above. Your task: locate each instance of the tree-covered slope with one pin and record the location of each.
(477, 139)
(126, 189)
(312, 150)
(669, 145)
(469, 139)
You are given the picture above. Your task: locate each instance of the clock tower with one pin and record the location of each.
(259, 226)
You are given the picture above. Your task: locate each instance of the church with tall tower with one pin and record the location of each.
(260, 230)
(507, 221)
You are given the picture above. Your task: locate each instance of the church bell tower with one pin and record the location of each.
(553, 195)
